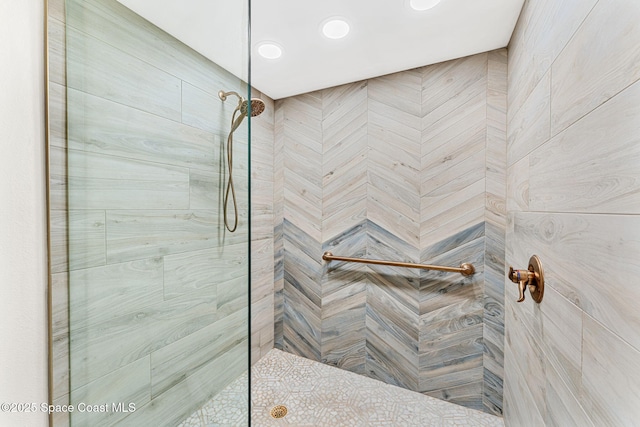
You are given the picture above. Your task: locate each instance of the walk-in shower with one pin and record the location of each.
(253, 108)
(151, 318)
(158, 293)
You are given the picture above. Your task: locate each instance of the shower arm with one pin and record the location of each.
(465, 269)
(223, 95)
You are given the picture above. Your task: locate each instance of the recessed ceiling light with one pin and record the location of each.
(269, 50)
(335, 28)
(423, 4)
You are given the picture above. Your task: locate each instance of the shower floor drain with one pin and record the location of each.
(278, 411)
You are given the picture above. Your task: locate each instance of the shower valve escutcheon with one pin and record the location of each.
(532, 278)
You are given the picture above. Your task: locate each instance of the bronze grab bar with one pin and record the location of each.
(465, 269)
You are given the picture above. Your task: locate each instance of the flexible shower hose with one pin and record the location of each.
(230, 188)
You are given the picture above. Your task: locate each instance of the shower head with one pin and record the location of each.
(257, 105)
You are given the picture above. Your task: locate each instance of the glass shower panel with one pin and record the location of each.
(158, 288)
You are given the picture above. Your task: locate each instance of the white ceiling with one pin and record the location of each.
(386, 36)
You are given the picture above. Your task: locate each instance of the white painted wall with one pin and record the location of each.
(23, 270)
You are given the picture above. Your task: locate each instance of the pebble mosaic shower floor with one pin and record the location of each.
(319, 395)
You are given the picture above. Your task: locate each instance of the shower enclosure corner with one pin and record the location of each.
(158, 287)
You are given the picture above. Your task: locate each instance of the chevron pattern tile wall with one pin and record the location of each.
(408, 167)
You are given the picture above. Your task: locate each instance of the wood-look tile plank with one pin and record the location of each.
(113, 23)
(468, 119)
(344, 157)
(518, 407)
(517, 249)
(206, 111)
(303, 162)
(232, 296)
(60, 364)
(60, 303)
(393, 176)
(493, 391)
(345, 119)
(206, 189)
(460, 373)
(444, 92)
(400, 91)
(191, 271)
(131, 384)
(58, 194)
(524, 358)
(496, 153)
(57, 51)
(263, 204)
(460, 211)
(439, 326)
(386, 128)
(343, 327)
(564, 408)
(610, 376)
(393, 127)
(537, 41)
(77, 240)
(530, 126)
(302, 120)
(385, 209)
(392, 318)
(608, 62)
(580, 253)
(100, 349)
(593, 165)
(97, 181)
(302, 324)
(261, 209)
(61, 419)
(262, 268)
(143, 234)
(439, 291)
(518, 185)
(110, 128)
(100, 69)
(58, 241)
(468, 395)
(392, 355)
(262, 140)
(344, 209)
(262, 314)
(302, 207)
(171, 407)
(562, 323)
(182, 358)
(384, 244)
(56, 9)
(456, 173)
(100, 294)
(57, 115)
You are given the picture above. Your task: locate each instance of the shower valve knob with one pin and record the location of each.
(522, 278)
(533, 278)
